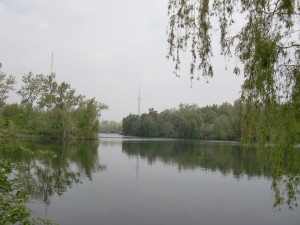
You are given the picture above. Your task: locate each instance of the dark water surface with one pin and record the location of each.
(156, 181)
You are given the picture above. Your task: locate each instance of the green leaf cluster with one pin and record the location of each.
(13, 195)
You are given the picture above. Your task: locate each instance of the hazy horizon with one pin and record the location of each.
(107, 50)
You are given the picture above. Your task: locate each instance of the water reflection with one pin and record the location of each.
(285, 163)
(282, 167)
(76, 162)
(67, 164)
(188, 155)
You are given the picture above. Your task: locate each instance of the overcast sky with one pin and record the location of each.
(107, 50)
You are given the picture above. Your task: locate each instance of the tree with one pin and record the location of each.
(31, 89)
(131, 125)
(60, 99)
(188, 122)
(56, 110)
(111, 127)
(148, 124)
(6, 85)
(55, 95)
(86, 118)
(12, 116)
(268, 47)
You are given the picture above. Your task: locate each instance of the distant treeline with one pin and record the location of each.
(110, 127)
(189, 122)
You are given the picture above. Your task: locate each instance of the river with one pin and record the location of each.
(123, 180)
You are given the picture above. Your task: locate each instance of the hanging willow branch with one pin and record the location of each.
(267, 45)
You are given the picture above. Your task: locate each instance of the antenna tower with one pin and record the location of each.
(51, 64)
(139, 102)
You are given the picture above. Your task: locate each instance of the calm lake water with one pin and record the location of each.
(134, 181)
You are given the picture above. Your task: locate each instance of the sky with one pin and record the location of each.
(107, 50)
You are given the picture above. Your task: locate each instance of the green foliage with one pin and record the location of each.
(13, 195)
(60, 96)
(110, 127)
(148, 127)
(86, 119)
(31, 89)
(49, 108)
(267, 45)
(131, 125)
(6, 85)
(189, 122)
(17, 186)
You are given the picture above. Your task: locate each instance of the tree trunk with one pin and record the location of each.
(63, 128)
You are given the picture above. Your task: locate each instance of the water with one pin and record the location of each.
(155, 181)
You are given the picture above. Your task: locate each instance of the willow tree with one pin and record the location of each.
(265, 42)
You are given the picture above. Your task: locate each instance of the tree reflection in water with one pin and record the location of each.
(74, 161)
(282, 166)
(285, 166)
(65, 164)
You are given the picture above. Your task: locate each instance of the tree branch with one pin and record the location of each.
(290, 46)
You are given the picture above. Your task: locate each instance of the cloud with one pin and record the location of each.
(105, 49)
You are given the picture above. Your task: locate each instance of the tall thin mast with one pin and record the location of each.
(139, 102)
(51, 69)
